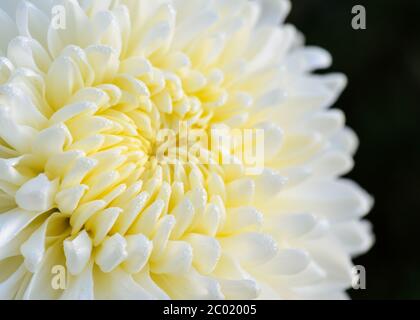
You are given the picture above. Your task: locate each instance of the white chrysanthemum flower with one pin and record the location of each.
(82, 99)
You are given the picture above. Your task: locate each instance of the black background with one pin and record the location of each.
(382, 104)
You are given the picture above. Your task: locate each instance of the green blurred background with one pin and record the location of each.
(382, 103)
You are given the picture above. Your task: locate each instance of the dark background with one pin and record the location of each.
(382, 104)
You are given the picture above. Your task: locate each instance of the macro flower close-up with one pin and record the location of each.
(98, 179)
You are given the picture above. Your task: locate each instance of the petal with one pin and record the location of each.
(80, 287)
(287, 262)
(206, 252)
(240, 192)
(273, 12)
(190, 286)
(37, 194)
(14, 221)
(8, 33)
(78, 252)
(32, 22)
(246, 289)
(10, 286)
(139, 249)
(336, 200)
(40, 286)
(250, 248)
(175, 259)
(118, 285)
(355, 236)
(33, 249)
(111, 253)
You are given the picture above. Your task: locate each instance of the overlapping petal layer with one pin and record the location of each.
(81, 186)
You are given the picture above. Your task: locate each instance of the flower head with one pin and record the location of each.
(90, 182)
